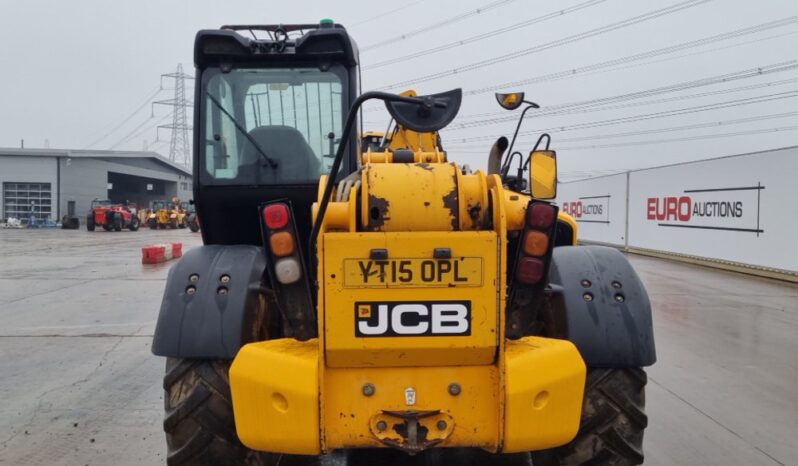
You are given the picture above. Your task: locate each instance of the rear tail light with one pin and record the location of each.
(529, 270)
(540, 215)
(276, 216)
(533, 255)
(282, 244)
(287, 270)
(287, 273)
(536, 243)
(534, 249)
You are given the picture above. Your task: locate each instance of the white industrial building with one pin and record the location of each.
(51, 183)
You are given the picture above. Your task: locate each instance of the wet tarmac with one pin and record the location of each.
(79, 385)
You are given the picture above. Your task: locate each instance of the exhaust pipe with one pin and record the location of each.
(495, 156)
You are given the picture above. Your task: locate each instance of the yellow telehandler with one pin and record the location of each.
(382, 305)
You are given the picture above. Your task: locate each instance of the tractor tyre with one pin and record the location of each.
(108, 224)
(117, 222)
(70, 223)
(193, 226)
(612, 425)
(90, 222)
(199, 424)
(134, 223)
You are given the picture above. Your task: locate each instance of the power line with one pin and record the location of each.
(382, 15)
(128, 118)
(476, 38)
(158, 143)
(603, 108)
(710, 124)
(575, 72)
(576, 174)
(604, 103)
(677, 87)
(129, 135)
(650, 116)
(639, 56)
(691, 54)
(553, 44)
(684, 139)
(134, 134)
(679, 98)
(435, 26)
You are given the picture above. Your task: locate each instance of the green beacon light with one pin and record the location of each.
(326, 23)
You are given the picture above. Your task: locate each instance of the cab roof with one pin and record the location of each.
(325, 42)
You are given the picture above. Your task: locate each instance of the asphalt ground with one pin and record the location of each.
(79, 386)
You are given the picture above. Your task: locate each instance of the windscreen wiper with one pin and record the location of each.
(272, 163)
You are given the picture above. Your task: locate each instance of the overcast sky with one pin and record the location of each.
(74, 70)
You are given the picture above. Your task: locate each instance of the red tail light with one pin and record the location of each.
(540, 215)
(529, 270)
(276, 216)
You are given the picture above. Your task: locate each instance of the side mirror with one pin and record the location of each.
(510, 101)
(513, 100)
(543, 174)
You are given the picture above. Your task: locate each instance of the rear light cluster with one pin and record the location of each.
(536, 243)
(282, 243)
(288, 275)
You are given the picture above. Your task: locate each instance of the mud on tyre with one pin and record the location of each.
(199, 415)
(612, 425)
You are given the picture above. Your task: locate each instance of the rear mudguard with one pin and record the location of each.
(600, 304)
(221, 313)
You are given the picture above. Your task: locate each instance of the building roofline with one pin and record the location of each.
(86, 153)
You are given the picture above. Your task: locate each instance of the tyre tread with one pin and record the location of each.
(199, 422)
(612, 425)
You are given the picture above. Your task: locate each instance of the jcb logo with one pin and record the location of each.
(417, 318)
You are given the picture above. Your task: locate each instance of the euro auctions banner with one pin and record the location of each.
(599, 207)
(741, 209)
(719, 208)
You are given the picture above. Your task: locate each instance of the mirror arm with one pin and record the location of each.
(540, 139)
(506, 165)
(510, 158)
(385, 135)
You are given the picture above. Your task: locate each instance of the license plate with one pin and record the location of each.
(413, 272)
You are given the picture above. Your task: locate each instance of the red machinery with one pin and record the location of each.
(111, 216)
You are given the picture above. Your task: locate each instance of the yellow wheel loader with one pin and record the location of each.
(371, 140)
(158, 215)
(164, 214)
(387, 305)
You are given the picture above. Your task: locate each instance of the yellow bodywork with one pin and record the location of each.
(415, 251)
(563, 217)
(530, 399)
(168, 217)
(402, 138)
(158, 217)
(422, 234)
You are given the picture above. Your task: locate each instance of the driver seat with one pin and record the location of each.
(296, 161)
